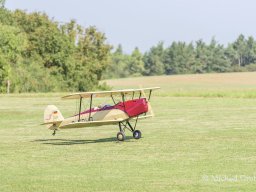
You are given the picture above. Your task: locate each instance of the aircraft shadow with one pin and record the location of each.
(79, 141)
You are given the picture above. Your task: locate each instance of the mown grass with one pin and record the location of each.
(233, 85)
(190, 143)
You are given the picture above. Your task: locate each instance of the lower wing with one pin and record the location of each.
(89, 124)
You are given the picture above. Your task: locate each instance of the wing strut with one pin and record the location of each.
(123, 102)
(90, 108)
(133, 95)
(149, 94)
(113, 99)
(80, 105)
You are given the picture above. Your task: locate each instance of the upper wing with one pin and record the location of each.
(108, 93)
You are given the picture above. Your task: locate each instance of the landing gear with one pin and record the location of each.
(127, 125)
(137, 134)
(54, 132)
(120, 136)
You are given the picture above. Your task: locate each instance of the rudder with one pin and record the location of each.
(52, 116)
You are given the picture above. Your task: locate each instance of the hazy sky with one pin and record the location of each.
(143, 23)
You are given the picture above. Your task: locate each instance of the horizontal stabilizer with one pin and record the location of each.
(49, 123)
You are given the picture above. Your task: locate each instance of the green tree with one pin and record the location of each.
(12, 44)
(71, 57)
(201, 57)
(4, 73)
(153, 60)
(250, 52)
(240, 47)
(216, 58)
(33, 77)
(179, 58)
(232, 55)
(6, 17)
(136, 64)
(2, 3)
(92, 58)
(118, 67)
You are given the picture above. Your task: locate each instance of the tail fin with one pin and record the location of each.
(52, 117)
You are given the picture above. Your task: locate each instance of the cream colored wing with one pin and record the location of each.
(89, 124)
(107, 93)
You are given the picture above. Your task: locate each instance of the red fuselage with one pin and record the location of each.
(132, 108)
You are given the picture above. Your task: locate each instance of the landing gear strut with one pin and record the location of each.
(127, 125)
(54, 132)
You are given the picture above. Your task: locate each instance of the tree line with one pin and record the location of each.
(185, 58)
(39, 54)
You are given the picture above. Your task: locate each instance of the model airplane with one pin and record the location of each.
(119, 113)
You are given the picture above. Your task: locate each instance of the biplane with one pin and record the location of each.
(133, 104)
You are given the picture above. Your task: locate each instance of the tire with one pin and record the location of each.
(137, 134)
(120, 136)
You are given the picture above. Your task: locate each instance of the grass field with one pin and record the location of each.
(236, 85)
(202, 139)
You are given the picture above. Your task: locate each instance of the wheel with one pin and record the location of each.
(120, 136)
(137, 134)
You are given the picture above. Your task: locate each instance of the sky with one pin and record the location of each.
(144, 23)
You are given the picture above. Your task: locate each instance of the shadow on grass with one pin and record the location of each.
(78, 141)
